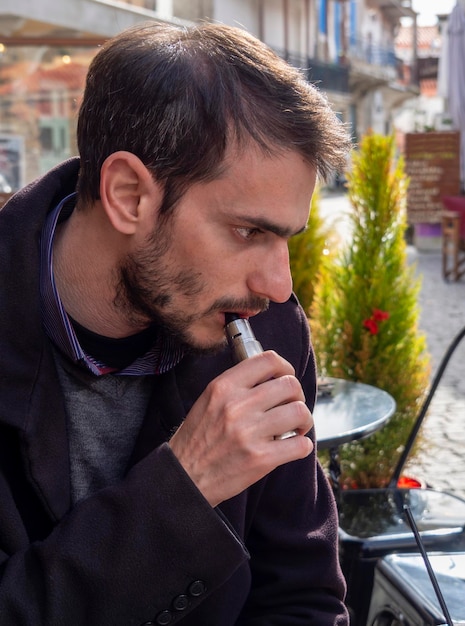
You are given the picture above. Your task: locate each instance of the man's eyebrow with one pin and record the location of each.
(281, 231)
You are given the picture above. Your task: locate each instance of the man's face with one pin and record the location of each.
(224, 249)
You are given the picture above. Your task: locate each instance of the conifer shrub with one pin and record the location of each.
(364, 316)
(308, 251)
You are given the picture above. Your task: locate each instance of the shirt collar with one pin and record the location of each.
(162, 356)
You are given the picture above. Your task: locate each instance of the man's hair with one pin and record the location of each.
(178, 97)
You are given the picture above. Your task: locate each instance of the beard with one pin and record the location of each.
(147, 288)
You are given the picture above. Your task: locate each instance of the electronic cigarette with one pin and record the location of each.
(240, 338)
(243, 344)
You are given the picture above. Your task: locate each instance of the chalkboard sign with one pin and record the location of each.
(432, 162)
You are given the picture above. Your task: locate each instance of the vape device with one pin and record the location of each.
(244, 344)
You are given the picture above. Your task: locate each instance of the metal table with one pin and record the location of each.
(346, 411)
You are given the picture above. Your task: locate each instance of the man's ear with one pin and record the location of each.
(127, 191)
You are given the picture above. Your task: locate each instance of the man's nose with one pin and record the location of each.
(272, 279)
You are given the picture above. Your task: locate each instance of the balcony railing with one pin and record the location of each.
(328, 76)
(372, 54)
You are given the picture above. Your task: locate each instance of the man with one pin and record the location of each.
(143, 478)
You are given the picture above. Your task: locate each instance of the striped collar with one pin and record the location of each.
(162, 356)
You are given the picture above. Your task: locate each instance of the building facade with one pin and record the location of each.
(346, 47)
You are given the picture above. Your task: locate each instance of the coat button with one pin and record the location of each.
(197, 588)
(181, 602)
(163, 618)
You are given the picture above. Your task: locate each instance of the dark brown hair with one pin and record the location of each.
(177, 97)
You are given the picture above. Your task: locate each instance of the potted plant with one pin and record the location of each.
(364, 313)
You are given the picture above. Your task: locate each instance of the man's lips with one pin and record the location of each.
(243, 314)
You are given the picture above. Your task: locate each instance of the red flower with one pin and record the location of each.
(371, 325)
(379, 315)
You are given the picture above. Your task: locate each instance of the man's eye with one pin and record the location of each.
(248, 233)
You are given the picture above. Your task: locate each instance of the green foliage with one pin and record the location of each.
(365, 313)
(307, 253)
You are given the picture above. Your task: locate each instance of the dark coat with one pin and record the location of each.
(150, 549)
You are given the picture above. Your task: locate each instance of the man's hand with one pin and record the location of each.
(227, 441)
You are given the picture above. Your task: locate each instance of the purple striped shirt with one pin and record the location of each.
(163, 355)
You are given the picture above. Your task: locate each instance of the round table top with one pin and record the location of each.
(346, 411)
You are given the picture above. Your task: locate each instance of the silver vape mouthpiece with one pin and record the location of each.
(240, 338)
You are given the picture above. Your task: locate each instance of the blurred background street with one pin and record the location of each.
(441, 463)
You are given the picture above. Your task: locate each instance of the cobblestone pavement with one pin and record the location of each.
(441, 462)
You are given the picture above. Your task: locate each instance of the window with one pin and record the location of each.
(40, 90)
